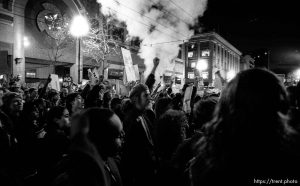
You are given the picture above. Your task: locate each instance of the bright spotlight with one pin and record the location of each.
(26, 41)
(202, 65)
(230, 75)
(79, 26)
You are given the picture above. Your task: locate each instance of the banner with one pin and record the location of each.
(136, 72)
(93, 76)
(187, 99)
(55, 82)
(130, 72)
(67, 82)
(115, 74)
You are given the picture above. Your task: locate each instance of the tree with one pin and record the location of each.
(100, 43)
(58, 38)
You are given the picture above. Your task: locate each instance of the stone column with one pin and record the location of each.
(77, 67)
(18, 63)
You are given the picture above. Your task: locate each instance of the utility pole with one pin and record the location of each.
(268, 65)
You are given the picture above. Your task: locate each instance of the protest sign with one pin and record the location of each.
(187, 99)
(55, 82)
(129, 68)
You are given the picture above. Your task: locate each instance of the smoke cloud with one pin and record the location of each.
(154, 22)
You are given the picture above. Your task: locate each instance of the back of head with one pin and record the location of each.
(177, 101)
(256, 93)
(203, 112)
(52, 93)
(249, 129)
(171, 131)
(93, 96)
(94, 123)
(126, 105)
(115, 102)
(162, 105)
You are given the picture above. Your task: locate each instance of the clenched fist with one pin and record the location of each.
(156, 61)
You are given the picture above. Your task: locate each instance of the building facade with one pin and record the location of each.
(207, 53)
(25, 49)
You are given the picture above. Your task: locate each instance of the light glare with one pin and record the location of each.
(79, 26)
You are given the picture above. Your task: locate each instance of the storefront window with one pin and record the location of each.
(192, 50)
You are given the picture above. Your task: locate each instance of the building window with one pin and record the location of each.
(190, 54)
(205, 75)
(191, 75)
(205, 53)
(193, 64)
(192, 50)
(31, 74)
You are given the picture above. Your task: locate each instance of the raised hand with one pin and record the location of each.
(156, 61)
(49, 79)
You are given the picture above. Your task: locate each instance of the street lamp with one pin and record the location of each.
(297, 74)
(26, 41)
(202, 65)
(79, 27)
(230, 75)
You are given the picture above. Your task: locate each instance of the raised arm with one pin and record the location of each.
(151, 78)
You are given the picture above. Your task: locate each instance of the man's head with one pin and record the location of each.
(33, 93)
(53, 96)
(104, 129)
(15, 86)
(140, 96)
(64, 92)
(12, 102)
(74, 102)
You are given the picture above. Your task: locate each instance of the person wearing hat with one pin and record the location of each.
(139, 157)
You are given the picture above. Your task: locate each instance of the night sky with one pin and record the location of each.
(255, 26)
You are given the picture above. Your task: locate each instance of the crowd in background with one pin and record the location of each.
(98, 138)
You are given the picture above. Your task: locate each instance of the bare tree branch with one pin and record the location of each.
(100, 44)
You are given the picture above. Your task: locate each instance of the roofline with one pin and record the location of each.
(219, 38)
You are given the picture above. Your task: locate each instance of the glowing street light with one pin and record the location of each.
(230, 75)
(26, 41)
(297, 74)
(202, 65)
(79, 27)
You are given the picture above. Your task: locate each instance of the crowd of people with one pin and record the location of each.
(94, 137)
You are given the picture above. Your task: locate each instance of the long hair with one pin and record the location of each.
(171, 131)
(94, 123)
(93, 98)
(249, 130)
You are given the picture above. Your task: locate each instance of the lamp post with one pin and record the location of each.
(79, 27)
(201, 66)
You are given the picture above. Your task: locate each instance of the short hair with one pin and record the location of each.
(95, 124)
(55, 112)
(69, 99)
(203, 112)
(162, 105)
